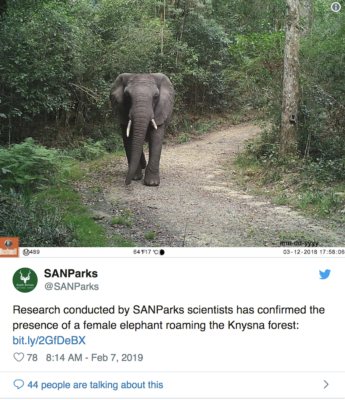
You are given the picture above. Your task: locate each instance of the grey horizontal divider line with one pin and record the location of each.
(184, 372)
(177, 398)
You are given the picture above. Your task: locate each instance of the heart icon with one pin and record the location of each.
(18, 356)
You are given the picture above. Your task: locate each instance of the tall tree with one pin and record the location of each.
(289, 120)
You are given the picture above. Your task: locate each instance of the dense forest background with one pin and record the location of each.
(58, 59)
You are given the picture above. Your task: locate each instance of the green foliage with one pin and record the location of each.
(89, 150)
(84, 231)
(54, 217)
(38, 206)
(36, 225)
(322, 105)
(322, 203)
(321, 114)
(27, 165)
(183, 138)
(257, 79)
(150, 235)
(325, 170)
(59, 58)
(264, 149)
(45, 66)
(110, 136)
(119, 241)
(206, 127)
(35, 58)
(122, 220)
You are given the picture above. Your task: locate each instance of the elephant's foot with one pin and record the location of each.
(151, 179)
(137, 177)
(138, 174)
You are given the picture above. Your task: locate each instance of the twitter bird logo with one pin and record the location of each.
(325, 275)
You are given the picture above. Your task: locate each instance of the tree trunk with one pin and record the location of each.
(163, 27)
(289, 121)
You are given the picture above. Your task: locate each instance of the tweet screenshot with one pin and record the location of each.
(172, 199)
(178, 330)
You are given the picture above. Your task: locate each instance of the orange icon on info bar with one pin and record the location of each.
(9, 247)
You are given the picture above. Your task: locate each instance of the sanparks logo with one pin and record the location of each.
(25, 280)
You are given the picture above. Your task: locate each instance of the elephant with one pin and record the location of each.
(143, 105)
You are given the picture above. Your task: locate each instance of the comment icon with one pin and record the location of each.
(18, 383)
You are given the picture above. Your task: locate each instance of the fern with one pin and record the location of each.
(26, 165)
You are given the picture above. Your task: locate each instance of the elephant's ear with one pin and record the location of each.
(165, 103)
(116, 97)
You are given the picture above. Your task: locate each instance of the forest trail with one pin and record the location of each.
(199, 201)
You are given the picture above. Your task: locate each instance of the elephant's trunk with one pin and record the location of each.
(141, 119)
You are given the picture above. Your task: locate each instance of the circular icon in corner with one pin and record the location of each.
(8, 244)
(336, 7)
(25, 280)
(26, 252)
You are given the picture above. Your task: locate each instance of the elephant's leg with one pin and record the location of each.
(127, 141)
(155, 149)
(143, 160)
(139, 172)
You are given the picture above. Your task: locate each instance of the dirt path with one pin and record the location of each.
(199, 202)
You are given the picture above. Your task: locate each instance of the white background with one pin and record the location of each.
(187, 362)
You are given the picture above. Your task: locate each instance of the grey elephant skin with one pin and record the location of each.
(143, 105)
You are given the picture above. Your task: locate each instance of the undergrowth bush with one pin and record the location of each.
(257, 81)
(26, 165)
(110, 136)
(89, 150)
(34, 224)
(324, 203)
(321, 161)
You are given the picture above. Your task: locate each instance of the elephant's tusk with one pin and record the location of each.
(129, 127)
(154, 123)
